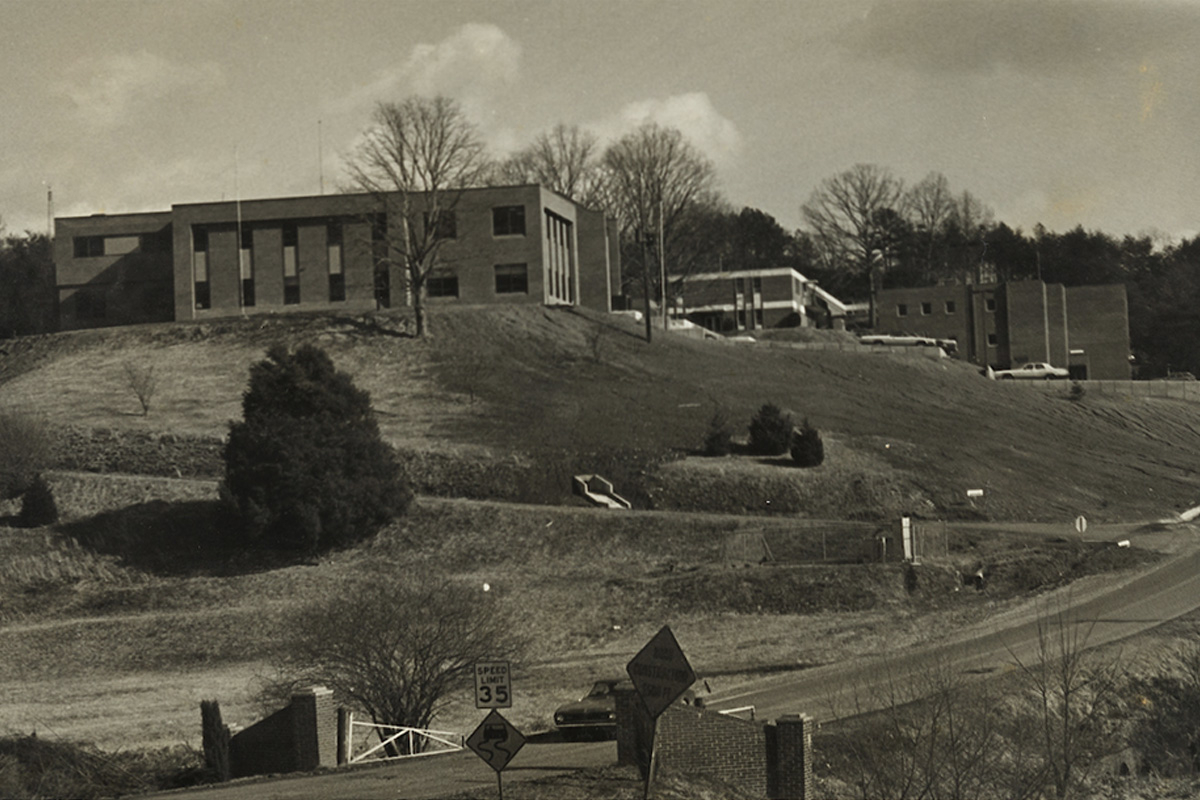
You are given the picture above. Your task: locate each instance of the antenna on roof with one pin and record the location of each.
(237, 202)
(49, 209)
(320, 157)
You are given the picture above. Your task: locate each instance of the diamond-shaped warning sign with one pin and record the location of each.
(660, 672)
(496, 741)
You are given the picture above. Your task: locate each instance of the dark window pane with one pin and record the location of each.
(512, 279)
(508, 221)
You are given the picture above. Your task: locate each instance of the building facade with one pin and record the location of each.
(1082, 328)
(743, 300)
(512, 244)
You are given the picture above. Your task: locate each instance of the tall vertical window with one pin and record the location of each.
(337, 278)
(379, 255)
(291, 274)
(200, 267)
(246, 263)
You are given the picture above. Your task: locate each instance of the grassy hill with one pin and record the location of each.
(115, 623)
(507, 403)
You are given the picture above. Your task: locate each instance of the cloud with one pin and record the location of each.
(1046, 37)
(472, 65)
(693, 114)
(108, 91)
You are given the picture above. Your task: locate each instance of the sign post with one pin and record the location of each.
(660, 673)
(496, 741)
(493, 685)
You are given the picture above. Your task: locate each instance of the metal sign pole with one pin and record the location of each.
(500, 784)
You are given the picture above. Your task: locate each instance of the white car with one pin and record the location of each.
(1036, 370)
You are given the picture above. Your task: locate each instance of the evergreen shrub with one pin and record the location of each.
(770, 431)
(306, 467)
(807, 448)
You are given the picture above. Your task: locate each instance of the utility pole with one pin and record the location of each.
(662, 267)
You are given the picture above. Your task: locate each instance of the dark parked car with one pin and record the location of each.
(593, 714)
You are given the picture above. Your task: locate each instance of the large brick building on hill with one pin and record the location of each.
(510, 244)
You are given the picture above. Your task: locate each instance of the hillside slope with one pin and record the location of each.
(533, 383)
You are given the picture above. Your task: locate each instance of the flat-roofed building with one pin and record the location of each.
(511, 244)
(750, 299)
(1003, 325)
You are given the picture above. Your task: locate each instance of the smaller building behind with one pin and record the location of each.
(1004, 325)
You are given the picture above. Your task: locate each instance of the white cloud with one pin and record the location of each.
(471, 65)
(692, 114)
(107, 91)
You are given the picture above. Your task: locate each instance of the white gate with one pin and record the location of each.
(410, 742)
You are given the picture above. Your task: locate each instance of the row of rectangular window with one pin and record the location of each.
(506, 221)
(951, 307)
(510, 279)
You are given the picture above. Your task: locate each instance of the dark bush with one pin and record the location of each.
(770, 431)
(719, 439)
(26, 447)
(306, 467)
(807, 448)
(37, 505)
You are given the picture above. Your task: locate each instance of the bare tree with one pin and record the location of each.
(845, 216)
(141, 381)
(1073, 694)
(416, 159)
(655, 182)
(930, 208)
(395, 643)
(565, 159)
(970, 220)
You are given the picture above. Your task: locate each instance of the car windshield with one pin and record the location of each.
(601, 689)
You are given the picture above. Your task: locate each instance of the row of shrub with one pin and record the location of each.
(773, 432)
(137, 453)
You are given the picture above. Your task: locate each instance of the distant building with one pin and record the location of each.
(512, 244)
(741, 300)
(1003, 325)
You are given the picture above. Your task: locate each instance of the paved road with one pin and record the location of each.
(1118, 611)
(1108, 614)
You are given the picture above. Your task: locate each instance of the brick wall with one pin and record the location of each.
(300, 737)
(773, 761)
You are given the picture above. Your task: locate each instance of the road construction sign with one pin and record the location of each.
(496, 741)
(493, 685)
(660, 672)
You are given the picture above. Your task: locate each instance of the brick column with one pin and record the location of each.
(792, 758)
(314, 726)
(635, 730)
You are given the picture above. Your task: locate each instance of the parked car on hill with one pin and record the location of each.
(1035, 370)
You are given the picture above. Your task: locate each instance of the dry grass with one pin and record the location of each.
(108, 647)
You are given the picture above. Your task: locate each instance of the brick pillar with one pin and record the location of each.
(635, 730)
(314, 726)
(790, 763)
(345, 728)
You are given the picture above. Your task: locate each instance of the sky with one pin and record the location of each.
(1059, 112)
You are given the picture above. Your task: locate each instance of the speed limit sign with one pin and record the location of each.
(493, 685)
